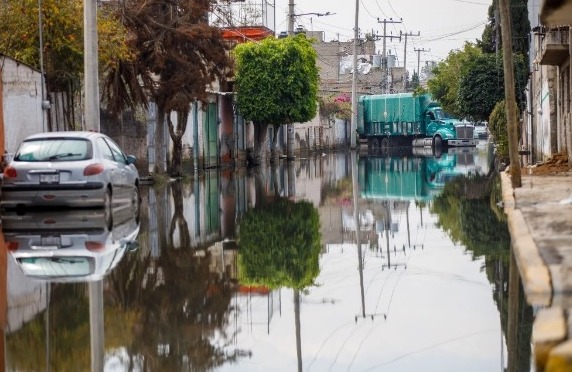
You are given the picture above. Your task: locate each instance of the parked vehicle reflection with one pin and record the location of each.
(70, 245)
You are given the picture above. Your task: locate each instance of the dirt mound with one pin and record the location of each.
(556, 164)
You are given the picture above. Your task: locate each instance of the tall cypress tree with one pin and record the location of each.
(520, 29)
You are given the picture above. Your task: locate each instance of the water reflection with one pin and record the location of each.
(233, 273)
(69, 245)
(54, 257)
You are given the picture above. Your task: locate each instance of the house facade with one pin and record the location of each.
(547, 122)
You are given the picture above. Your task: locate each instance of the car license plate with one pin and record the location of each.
(49, 178)
(50, 242)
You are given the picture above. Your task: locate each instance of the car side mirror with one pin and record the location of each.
(131, 159)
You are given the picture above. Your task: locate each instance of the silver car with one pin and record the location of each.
(70, 169)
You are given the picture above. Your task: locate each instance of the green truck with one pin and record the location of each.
(406, 119)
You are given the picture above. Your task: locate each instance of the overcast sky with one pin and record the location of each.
(443, 25)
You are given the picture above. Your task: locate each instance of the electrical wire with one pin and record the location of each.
(457, 32)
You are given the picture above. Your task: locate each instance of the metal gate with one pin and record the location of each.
(210, 130)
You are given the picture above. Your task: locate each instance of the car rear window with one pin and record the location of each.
(54, 149)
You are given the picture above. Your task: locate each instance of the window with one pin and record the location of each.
(118, 155)
(105, 150)
(54, 149)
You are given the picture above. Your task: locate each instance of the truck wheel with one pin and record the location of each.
(374, 143)
(385, 143)
(437, 146)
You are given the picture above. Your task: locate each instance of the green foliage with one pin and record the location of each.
(420, 90)
(277, 80)
(520, 29)
(468, 83)
(280, 245)
(488, 39)
(62, 38)
(444, 86)
(498, 127)
(471, 221)
(482, 85)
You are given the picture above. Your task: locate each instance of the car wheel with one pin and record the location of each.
(135, 201)
(107, 209)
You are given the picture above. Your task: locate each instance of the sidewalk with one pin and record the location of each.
(540, 223)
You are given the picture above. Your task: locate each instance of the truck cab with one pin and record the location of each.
(444, 129)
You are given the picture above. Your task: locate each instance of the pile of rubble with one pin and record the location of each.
(556, 164)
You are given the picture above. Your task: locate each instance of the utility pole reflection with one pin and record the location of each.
(358, 243)
(96, 324)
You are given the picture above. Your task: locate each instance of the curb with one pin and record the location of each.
(534, 272)
(552, 350)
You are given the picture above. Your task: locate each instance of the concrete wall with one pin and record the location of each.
(21, 102)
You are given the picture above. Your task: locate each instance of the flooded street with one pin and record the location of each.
(260, 270)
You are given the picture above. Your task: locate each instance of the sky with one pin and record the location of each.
(443, 25)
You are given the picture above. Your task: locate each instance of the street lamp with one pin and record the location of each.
(312, 13)
(292, 15)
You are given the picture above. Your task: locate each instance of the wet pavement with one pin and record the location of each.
(540, 223)
(339, 262)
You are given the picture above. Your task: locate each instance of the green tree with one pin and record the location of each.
(444, 86)
(520, 29)
(62, 36)
(276, 83)
(280, 244)
(468, 83)
(498, 128)
(481, 85)
(178, 56)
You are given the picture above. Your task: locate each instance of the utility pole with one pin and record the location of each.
(353, 124)
(509, 94)
(384, 56)
(405, 57)
(290, 17)
(497, 26)
(290, 126)
(419, 50)
(90, 65)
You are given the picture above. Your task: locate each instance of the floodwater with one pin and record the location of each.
(260, 270)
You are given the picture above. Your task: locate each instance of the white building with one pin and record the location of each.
(21, 112)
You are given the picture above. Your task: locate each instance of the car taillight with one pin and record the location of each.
(12, 246)
(93, 169)
(94, 246)
(10, 172)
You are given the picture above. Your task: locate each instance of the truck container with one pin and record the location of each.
(406, 119)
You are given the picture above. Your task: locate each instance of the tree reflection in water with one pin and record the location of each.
(468, 211)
